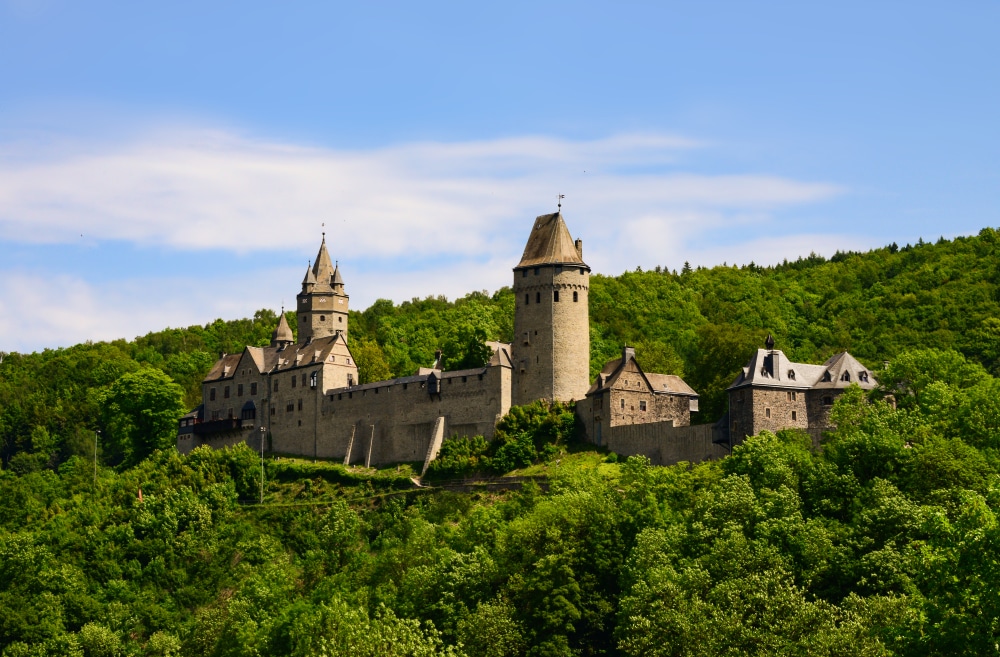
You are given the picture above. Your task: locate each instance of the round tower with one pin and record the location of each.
(551, 346)
(322, 303)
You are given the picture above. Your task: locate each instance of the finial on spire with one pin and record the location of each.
(769, 342)
(559, 199)
(324, 230)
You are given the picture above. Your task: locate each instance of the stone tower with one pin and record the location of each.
(322, 304)
(551, 316)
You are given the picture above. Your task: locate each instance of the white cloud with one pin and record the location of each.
(408, 220)
(200, 189)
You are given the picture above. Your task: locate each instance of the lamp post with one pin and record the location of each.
(262, 432)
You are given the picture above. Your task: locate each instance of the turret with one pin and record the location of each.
(322, 304)
(551, 316)
(282, 335)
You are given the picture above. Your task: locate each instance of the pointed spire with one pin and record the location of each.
(282, 332)
(323, 269)
(338, 280)
(310, 277)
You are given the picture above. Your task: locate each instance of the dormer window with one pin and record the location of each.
(863, 376)
(827, 377)
(791, 375)
(846, 376)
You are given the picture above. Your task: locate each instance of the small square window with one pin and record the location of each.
(642, 405)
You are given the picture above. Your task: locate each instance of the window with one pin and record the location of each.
(555, 295)
(249, 413)
(863, 376)
(276, 385)
(846, 376)
(623, 404)
(303, 379)
(792, 395)
(225, 392)
(526, 297)
(465, 379)
(239, 390)
(642, 405)
(794, 416)
(740, 397)
(322, 318)
(537, 270)
(538, 297)
(767, 412)
(272, 410)
(341, 319)
(294, 379)
(828, 401)
(581, 272)
(826, 376)
(253, 388)
(215, 415)
(313, 380)
(524, 273)
(300, 404)
(558, 269)
(791, 375)
(290, 407)
(211, 394)
(350, 380)
(576, 297)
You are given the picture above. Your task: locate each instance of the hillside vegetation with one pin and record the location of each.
(702, 324)
(885, 543)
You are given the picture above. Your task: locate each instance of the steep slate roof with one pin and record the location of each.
(224, 368)
(669, 384)
(310, 277)
(550, 243)
(282, 332)
(323, 269)
(771, 368)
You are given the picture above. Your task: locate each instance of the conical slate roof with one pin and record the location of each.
(323, 269)
(550, 243)
(283, 332)
(337, 278)
(310, 277)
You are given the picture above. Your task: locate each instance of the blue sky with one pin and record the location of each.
(163, 164)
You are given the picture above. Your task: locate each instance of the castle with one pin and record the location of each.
(303, 397)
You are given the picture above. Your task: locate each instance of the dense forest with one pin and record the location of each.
(885, 542)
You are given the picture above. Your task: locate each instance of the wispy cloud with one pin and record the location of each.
(456, 213)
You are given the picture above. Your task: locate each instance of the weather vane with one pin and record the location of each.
(559, 199)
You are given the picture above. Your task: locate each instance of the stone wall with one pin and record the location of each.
(752, 410)
(665, 444)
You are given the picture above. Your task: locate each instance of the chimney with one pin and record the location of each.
(579, 248)
(628, 353)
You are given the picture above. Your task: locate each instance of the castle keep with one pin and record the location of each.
(303, 397)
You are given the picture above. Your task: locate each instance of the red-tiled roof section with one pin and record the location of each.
(550, 243)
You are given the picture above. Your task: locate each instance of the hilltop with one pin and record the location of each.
(700, 323)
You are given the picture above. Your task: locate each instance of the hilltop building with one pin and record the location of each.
(773, 393)
(303, 397)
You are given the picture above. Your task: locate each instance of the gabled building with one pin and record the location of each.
(625, 395)
(773, 393)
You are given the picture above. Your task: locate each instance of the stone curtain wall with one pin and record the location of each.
(665, 444)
